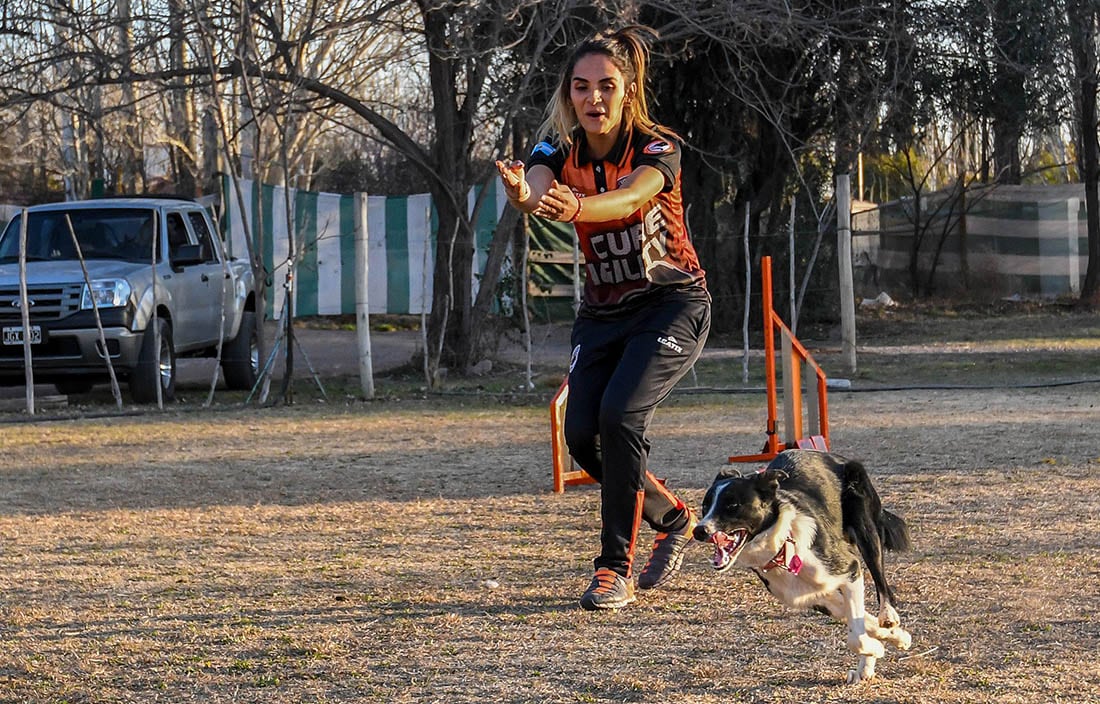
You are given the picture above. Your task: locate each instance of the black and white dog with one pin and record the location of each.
(801, 525)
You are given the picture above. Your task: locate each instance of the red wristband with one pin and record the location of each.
(578, 213)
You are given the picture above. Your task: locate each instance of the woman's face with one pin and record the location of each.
(598, 92)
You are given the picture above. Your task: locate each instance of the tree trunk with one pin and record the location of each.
(914, 248)
(183, 149)
(457, 86)
(1082, 27)
(1017, 49)
(450, 342)
(132, 166)
(503, 235)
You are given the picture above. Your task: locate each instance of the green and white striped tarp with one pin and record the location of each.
(401, 236)
(1030, 240)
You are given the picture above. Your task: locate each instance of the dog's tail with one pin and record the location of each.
(894, 532)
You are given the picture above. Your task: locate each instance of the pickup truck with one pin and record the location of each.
(157, 276)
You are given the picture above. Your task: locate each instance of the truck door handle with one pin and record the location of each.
(205, 278)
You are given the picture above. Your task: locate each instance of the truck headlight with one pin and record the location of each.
(111, 293)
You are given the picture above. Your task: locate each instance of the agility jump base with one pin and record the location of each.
(802, 411)
(815, 412)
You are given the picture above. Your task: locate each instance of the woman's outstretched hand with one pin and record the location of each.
(515, 180)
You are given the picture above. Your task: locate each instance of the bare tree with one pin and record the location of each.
(769, 98)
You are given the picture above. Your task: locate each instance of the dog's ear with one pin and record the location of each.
(771, 479)
(728, 473)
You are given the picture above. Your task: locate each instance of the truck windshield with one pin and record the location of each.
(103, 233)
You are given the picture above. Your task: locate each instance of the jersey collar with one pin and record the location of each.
(616, 154)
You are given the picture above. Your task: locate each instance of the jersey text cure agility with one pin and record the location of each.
(649, 249)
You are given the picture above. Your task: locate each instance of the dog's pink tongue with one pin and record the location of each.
(721, 554)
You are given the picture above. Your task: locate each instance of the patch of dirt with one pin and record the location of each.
(412, 551)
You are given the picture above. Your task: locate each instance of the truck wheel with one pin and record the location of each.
(241, 356)
(155, 366)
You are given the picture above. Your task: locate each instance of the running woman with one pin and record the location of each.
(606, 167)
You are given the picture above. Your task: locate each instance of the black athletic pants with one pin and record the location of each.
(620, 371)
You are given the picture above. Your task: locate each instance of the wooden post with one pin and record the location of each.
(844, 258)
(1074, 261)
(748, 295)
(790, 270)
(25, 311)
(523, 264)
(362, 297)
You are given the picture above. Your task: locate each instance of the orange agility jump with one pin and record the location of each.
(798, 416)
(794, 355)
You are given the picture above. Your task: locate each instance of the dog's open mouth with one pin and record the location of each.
(726, 547)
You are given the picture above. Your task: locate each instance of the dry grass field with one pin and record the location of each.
(410, 550)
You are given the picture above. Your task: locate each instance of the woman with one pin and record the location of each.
(615, 175)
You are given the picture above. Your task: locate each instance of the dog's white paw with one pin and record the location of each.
(902, 639)
(864, 673)
(888, 617)
(863, 644)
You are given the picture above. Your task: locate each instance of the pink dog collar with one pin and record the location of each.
(787, 558)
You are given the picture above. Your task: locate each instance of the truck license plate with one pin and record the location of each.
(14, 336)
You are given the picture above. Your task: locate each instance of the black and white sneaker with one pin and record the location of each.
(608, 590)
(668, 555)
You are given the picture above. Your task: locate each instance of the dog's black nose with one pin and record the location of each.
(701, 533)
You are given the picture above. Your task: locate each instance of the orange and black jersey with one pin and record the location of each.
(650, 250)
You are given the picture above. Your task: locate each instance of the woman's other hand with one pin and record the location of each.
(559, 203)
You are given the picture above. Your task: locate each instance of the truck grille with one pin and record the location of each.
(49, 302)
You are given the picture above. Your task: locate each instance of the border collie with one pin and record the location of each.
(801, 524)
